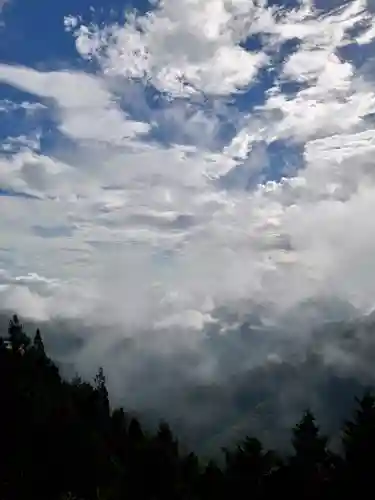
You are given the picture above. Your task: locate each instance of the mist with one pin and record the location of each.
(187, 201)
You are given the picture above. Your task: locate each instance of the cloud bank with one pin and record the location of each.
(210, 163)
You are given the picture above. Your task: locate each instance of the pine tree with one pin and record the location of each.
(38, 344)
(18, 338)
(310, 447)
(165, 438)
(135, 432)
(103, 398)
(248, 467)
(358, 440)
(212, 483)
(119, 422)
(163, 464)
(311, 465)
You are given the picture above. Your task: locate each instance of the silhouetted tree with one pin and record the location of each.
(309, 446)
(312, 463)
(212, 482)
(61, 440)
(18, 338)
(38, 344)
(103, 398)
(248, 467)
(358, 440)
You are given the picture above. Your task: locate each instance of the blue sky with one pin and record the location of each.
(33, 36)
(187, 157)
(35, 30)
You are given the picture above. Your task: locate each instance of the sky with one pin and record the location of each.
(170, 168)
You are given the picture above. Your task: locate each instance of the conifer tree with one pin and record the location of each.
(309, 446)
(358, 440)
(101, 388)
(16, 334)
(38, 344)
(311, 466)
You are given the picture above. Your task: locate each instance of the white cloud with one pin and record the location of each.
(182, 47)
(7, 106)
(88, 111)
(148, 234)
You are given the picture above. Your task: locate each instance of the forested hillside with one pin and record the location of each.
(62, 440)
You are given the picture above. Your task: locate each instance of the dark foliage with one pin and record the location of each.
(61, 440)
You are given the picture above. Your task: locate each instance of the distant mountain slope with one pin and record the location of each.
(264, 398)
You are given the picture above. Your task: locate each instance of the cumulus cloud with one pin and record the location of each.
(152, 215)
(182, 48)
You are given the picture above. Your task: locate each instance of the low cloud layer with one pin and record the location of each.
(207, 164)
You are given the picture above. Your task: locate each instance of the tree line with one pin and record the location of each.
(62, 440)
